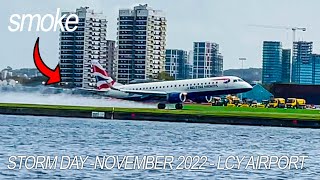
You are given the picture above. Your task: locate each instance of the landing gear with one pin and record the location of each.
(179, 106)
(161, 106)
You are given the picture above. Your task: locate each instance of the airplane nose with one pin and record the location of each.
(248, 86)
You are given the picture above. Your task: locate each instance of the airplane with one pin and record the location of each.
(173, 92)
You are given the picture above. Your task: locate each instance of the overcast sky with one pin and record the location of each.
(222, 21)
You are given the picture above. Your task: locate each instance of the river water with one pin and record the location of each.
(51, 136)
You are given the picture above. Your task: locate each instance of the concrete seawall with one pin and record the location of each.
(139, 116)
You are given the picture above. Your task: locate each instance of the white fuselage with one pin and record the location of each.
(223, 85)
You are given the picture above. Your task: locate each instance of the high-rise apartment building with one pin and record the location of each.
(271, 62)
(77, 49)
(302, 65)
(207, 61)
(286, 65)
(111, 57)
(176, 63)
(218, 66)
(189, 66)
(141, 43)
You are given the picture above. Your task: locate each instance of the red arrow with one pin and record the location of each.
(53, 75)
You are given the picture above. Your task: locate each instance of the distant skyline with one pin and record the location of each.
(224, 22)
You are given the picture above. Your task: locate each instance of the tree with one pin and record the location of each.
(164, 76)
(34, 81)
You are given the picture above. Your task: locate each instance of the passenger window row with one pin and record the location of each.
(168, 86)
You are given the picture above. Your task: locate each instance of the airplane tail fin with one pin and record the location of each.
(104, 81)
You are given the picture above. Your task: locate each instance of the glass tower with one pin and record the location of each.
(272, 62)
(286, 58)
(302, 65)
(316, 69)
(176, 63)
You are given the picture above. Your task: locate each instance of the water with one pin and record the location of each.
(27, 135)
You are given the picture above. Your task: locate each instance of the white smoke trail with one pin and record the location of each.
(67, 99)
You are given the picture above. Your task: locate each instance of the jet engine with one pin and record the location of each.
(177, 97)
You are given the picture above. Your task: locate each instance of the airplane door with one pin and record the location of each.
(226, 83)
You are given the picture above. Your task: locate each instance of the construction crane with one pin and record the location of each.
(294, 29)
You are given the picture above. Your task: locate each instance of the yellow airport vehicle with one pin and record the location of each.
(231, 105)
(234, 101)
(254, 104)
(296, 103)
(277, 103)
(243, 105)
(263, 104)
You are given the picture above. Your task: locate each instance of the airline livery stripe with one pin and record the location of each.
(103, 86)
(98, 70)
(101, 76)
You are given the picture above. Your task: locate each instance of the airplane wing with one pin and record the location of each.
(141, 94)
(94, 90)
(138, 92)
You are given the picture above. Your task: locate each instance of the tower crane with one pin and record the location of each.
(294, 29)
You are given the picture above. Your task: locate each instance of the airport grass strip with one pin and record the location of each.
(198, 110)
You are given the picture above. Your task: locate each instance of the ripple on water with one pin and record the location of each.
(69, 136)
